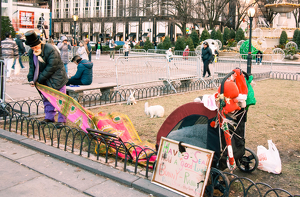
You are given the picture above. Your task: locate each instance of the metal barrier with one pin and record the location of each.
(185, 53)
(156, 51)
(132, 52)
(134, 70)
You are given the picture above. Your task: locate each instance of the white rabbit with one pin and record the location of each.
(154, 111)
(197, 100)
(131, 99)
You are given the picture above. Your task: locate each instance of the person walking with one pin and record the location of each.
(84, 73)
(169, 55)
(112, 47)
(21, 49)
(83, 50)
(47, 68)
(206, 56)
(186, 52)
(87, 42)
(64, 48)
(9, 52)
(98, 48)
(126, 48)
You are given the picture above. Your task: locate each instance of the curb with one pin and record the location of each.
(89, 165)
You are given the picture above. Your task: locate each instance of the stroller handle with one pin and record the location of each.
(227, 76)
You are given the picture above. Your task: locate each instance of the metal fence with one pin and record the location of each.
(88, 145)
(134, 70)
(156, 51)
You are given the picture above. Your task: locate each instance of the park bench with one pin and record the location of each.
(106, 89)
(185, 80)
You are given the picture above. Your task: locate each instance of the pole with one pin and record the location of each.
(249, 58)
(74, 33)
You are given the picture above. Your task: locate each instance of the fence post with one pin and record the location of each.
(2, 81)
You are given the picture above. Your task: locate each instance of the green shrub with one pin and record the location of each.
(148, 44)
(213, 34)
(6, 26)
(160, 45)
(240, 35)
(232, 34)
(298, 39)
(137, 46)
(190, 43)
(219, 36)
(179, 45)
(283, 38)
(231, 43)
(195, 38)
(167, 43)
(204, 35)
(118, 47)
(226, 35)
(105, 48)
(296, 32)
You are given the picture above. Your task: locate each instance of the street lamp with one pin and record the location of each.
(251, 12)
(75, 18)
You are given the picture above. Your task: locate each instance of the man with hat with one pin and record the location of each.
(47, 68)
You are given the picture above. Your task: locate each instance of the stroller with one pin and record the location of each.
(192, 123)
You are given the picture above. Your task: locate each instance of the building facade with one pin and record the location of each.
(117, 19)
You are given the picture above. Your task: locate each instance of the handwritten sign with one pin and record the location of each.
(186, 172)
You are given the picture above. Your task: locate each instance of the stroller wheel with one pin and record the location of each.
(248, 162)
(218, 184)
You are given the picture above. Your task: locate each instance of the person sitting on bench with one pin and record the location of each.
(84, 74)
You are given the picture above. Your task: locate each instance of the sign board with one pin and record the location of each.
(183, 172)
(26, 19)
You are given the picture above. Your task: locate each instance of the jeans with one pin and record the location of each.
(50, 110)
(66, 67)
(20, 61)
(74, 82)
(206, 68)
(258, 59)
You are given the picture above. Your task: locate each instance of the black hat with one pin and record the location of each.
(31, 38)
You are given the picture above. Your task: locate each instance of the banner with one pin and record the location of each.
(26, 19)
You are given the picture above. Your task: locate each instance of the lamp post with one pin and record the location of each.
(75, 18)
(251, 12)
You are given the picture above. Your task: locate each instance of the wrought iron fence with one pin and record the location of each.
(88, 145)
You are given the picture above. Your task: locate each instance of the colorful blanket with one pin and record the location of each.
(116, 123)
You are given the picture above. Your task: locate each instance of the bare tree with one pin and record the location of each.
(211, 11)
(180, 12)
(267, 13)
(242, 8)
(296, 14)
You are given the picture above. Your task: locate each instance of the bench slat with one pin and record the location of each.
(82, 88)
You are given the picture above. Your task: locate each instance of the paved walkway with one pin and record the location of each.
(31, 168)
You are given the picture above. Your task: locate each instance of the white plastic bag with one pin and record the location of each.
(269, 159)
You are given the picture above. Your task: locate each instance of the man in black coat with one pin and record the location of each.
(206, 56)
(47, 68)
(21, 49)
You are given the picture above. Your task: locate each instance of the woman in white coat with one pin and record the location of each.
(83, 51)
